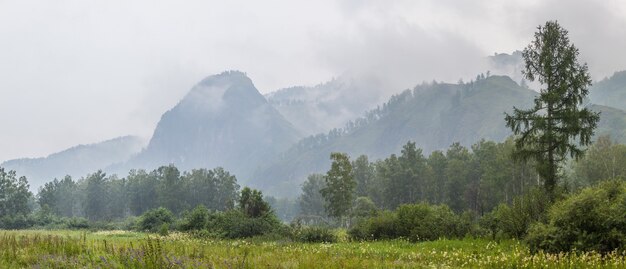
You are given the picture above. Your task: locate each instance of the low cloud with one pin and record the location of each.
(80, 71)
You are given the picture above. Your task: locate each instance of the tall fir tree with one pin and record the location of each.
(557, 125)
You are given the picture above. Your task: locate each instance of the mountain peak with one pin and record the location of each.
(222, 90)
(222, 121)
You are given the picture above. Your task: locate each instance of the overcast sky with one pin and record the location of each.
(76, 72)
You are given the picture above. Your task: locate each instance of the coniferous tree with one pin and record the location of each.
(547, 133)
(96, 196)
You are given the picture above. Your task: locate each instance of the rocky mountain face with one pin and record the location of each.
(223, 121)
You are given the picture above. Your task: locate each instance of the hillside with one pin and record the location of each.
(610, 91)
(612, 122)
(223, 121)
(329, 105)
(77, 161)
(432, 115)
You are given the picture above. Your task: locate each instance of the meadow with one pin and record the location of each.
(123, 249)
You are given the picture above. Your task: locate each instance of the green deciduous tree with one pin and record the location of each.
(340, 186)
(251, 203)
(363, 172)
(604, 160)
(14, 194)
(312, 203)
(547, 133)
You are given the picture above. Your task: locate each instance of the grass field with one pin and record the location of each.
(121, 249)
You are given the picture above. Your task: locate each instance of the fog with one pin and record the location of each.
(75, 72)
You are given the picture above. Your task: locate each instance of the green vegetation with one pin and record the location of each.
(119, 249)
(592, 220)
(610, 91)
(480, 206)
(556, 126)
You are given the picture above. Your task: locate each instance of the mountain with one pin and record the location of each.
(432, 115)
(610, 91)
(223, 121)
(612, 122)
(507, 64)
(328, 105)
(77, 161)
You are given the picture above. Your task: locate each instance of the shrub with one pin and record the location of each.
(514, 221)
(236, 224)
(164, 230)
(76, 223)
(416, 222)
(153, 219)
(195, 220)
(314, 234)
(423, 222)
(382, 226)
(16, 222)
(592, 220)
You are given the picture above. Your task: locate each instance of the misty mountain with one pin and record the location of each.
(329, 105)
(432, 115)
(610, 91)
(223, 121)
(77, 161)
(612, 122)
(510, 65)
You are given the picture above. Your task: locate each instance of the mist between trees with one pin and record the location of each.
(473, 181)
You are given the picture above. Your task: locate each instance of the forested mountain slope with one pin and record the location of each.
(77, 161)
(610, 91)
(432, 115)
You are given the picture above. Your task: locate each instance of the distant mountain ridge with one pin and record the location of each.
(326, 106)
(77, 161)
(432, 115)
(222, 121)
(610, 91)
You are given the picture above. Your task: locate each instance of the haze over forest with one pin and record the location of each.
(94, 86)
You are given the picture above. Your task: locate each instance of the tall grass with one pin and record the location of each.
(118, 249)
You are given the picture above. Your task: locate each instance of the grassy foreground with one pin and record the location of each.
(120, 249)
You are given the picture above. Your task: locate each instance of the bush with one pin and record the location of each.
(235, 224)
(152, 220)
(195, 220)
(76, 223)
(423, 222)
(382, 226)
(314, 234)
(514, 221)
(17, 222)
(416, 222)
(592, 220)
